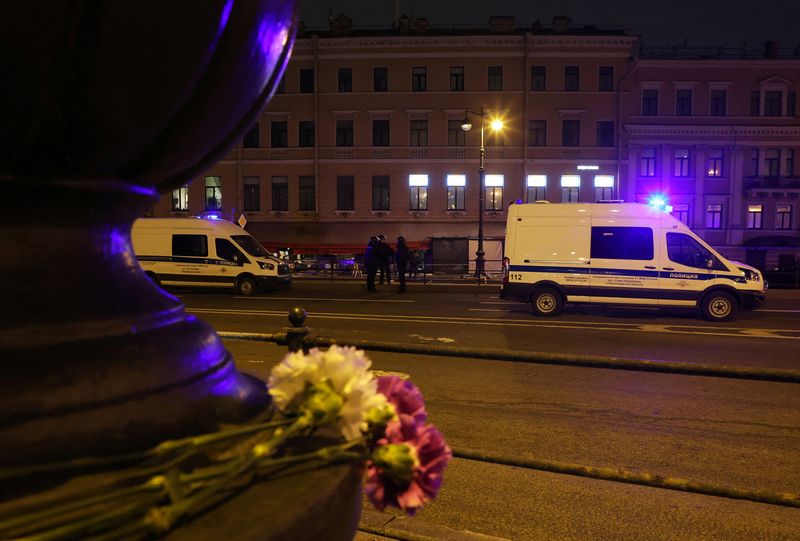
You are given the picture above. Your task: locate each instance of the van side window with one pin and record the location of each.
(226, 250)
(622, 243)
(191, 245)
(685, 250)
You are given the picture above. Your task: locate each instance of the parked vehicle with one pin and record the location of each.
(784, 276)
(619, 253)
(205, 252)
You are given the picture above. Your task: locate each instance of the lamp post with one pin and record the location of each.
(466, 125)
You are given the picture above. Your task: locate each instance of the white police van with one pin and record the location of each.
(619, 253)
(205, 252)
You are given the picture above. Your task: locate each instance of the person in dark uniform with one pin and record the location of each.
(385, 255)
(371, 263)
(401, 260)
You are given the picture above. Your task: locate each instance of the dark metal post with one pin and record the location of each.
(479, 261)
(296, 334)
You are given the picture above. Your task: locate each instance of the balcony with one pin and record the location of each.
(456, 153)
(279, 154)
(381, 153)
(772, 186)
(343, 153)
(419, 153)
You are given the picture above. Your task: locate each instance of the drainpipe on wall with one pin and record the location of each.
(622, 82)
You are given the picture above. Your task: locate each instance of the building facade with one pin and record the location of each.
(365, 136)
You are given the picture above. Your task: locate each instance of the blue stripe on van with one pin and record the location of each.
(625, 272)
(195, 260)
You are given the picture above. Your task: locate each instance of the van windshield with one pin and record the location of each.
(251, 245)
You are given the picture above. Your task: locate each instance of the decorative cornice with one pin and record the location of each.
(711, 131)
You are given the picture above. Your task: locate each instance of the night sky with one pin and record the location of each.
(701, 22)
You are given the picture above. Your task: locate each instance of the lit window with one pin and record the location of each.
(570, 188)
(754, 214)
(647, 164)
(603, 187)
(494, 192)
(681, 212)
(418, 192)
(680, 161)
(456, 186)
(180, 198)
(714, 166)
(783, 217)
(213, 193)
(537, 188)
(714, 216)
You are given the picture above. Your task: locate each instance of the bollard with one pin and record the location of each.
(296, 334)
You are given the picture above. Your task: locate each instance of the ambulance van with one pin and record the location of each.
(205, 252)
(619, 254)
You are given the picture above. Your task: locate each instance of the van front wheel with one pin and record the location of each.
(246, 286)
(719, 306)
(546, 302)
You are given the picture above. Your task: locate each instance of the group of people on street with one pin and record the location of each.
(378, 261)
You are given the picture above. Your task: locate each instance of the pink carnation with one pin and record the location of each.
(432, 454)
(404, 396)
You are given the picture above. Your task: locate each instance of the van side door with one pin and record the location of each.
(687, 269)
(189, 262)
(624, 265)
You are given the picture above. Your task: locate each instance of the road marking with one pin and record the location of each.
(503, 302)
(381, 373)
(730, 332)
(324, 299)
(784, 311)
(489, 310)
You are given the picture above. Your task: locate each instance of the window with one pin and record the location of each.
(754, 214)
(783, 217)
(714, 216)
(538, 78)
(180, 198)
(536, 188)
(683, 102)
(680, 162)
(456, 137)
(571, 78)
(213, 193)
(605, 133)
(603, 187)
(456, 188)
(456, 78)
(380, 79)
(650, 102)
(380, 133)
(281, 88)
(772, 162)
(754, 171)
(495, 78)
(280, 194)
(493, 185)
(570, 133)
(622, 243)
(419, 79)
(718, 103)
(685, 250)
(755, 102)
(380, 192)
(570, 188)
(279, 134)
(647, 162)
(537, 133)
(306, 133)
(714, 162)
(307, 194)
(307, 81)
(606, 79)
(251, 193)
(791, 103)
(418, 192)
(419, 133)
(345, 80)
(773, 99)
(681, 212)
(190, 245)
(345, 192)
(250, 139)
(344, 133)
(790, 162)
(227, 251)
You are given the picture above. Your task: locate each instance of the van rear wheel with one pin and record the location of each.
(246, 286)
(547, 302)
(719, 306)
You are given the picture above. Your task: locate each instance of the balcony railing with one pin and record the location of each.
(344, 153)
(419, 153)
(381, 153)
(279, 154)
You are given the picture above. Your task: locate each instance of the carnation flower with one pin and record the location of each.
(344, 371)
(404, 396)
(405, 469)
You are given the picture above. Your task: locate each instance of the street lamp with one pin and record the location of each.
(496, 125)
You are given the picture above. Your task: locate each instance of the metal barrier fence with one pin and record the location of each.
(334, 269)
(297, 338)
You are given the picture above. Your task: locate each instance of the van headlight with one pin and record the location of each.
(266, 266)
(749, 275)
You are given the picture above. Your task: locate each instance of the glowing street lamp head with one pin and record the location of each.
(466, 125)
(497, 124)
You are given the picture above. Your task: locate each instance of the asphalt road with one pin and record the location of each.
(726, 433)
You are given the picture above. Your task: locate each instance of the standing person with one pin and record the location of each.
(371, 263)
(385, 255)
(413, 263)
(401, 259)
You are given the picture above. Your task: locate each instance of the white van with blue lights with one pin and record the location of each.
(621, 254)
(205, 252)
